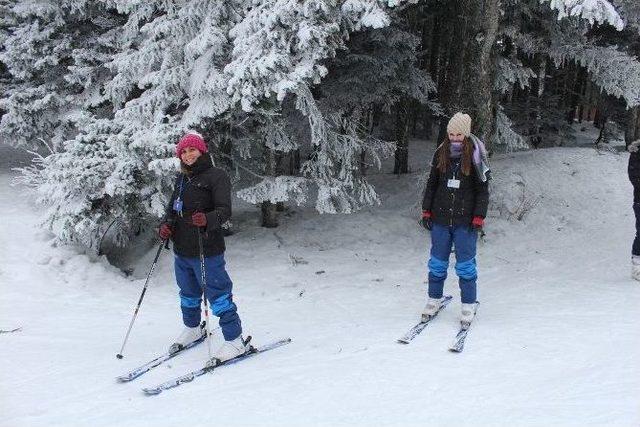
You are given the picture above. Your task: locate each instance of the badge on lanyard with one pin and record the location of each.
(177, 206)
(177, 203)
(453, 183)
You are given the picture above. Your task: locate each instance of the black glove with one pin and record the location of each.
(426, 220)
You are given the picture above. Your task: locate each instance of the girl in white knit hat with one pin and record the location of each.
(454, 207)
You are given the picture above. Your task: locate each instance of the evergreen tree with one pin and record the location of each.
(294, 97)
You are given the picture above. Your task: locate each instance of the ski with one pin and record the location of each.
(419, 327)
(135, 373)
(458, 342)
(194, 374)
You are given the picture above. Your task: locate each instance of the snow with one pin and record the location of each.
(555, 343)
(600, 11)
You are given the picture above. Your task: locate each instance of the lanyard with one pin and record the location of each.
(181, 187)
(177, 204)
(456, 168)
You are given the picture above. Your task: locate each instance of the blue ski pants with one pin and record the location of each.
(218, 292)
(464, 239)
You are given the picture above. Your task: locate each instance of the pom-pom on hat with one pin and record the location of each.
(460, 123)
(192, 140)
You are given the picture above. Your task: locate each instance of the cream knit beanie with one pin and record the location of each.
(460, 123)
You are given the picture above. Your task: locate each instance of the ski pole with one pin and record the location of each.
(144, 289)
(207, 323)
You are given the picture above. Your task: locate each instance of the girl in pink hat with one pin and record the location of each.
(199, 205)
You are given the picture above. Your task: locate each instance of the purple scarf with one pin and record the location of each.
(456, 152)
(455, 149)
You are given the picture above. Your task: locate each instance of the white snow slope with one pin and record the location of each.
(556, 341)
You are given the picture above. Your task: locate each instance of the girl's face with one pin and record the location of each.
(456, 137)
(190, 155)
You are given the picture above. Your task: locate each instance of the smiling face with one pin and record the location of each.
(190, 155)
(456, 137)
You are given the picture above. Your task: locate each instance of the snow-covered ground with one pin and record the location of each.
(556, 341)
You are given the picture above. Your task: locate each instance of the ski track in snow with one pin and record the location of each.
(556, 340)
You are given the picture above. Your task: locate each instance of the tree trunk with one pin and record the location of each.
(603, 137)
(566, 81)
(464, 19)
(542, 74)
(368, 125)
(485, 108)
(218, 134)
(632, 129)
(434, 52)
(269, 210)
(637, 134)
(450, 63)
(226, 145)
(401, 165)
(281, 169)
(363, 162)
(294, 162)
(580, 77)
(269, 214)
(431, 64)
(587, 101)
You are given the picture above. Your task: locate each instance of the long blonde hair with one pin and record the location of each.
(444, 156)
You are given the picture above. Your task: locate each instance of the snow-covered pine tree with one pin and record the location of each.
(281, 49)
(34, 50)
(593, 11)
(374, 77)
(110, 86)
(115, 173)
(51, 50)
(605, 59)
(7, 21)
(630, 12)
(558, 40)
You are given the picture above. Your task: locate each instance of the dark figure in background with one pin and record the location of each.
(634, 177)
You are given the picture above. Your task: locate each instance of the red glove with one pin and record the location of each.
(199, 219)
(478, 222)
(165, 231)
(426, 220)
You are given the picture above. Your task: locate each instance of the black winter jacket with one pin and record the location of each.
(634, 175)
(451, 206)
(634, 169)
(207, 189)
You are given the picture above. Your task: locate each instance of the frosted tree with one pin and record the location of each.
(560, 39)
(614, 71)
(33, 51)
(379, 75)
(164, 77)
(51, 51)
(110, 86)
(608, 71)
(7, 20)
(594, 11)
(630, 12)
(281, 49)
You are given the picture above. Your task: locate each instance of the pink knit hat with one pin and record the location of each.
(192, 140)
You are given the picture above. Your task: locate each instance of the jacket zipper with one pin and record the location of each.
(453, 202)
